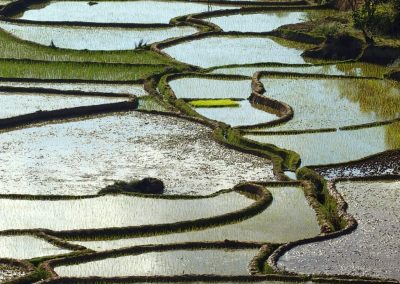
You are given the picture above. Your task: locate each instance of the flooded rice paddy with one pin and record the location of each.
(122, 211)
(208, 88)
(357, 69)
(175, 262)
(26, 247)
(245, 114)
(338, 146)
(261, 22)
(216, 50)
(79, 157)
(130, 89)
(370, 250)
(43, 160)
(333, 103)
(143, 12)
(275, 224)
(14, 104)
(92, 38)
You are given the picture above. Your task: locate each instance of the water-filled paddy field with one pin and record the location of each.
(175, 262)
(262, 22)
(122, 147)
(93, 38)
(145, 12)
(333, 103)
(130, 89)
(122, 211)
(14, 104)
(338, 146)
(25, 247)
(213, 51)
(98, 52)
(244, 114)
(356, 69)
(275, 224)
(209, 88)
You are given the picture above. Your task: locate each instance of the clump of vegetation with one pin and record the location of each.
(147, 186)
(377, 17)
(140, 44)
(214, 103)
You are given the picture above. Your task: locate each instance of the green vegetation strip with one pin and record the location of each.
(214, 103)
(76, 70)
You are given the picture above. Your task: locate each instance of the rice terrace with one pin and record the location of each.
(200, 141)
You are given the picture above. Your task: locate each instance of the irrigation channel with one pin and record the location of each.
(277, 168)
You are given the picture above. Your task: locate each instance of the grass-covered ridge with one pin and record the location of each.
(214, 103)
(76, 70)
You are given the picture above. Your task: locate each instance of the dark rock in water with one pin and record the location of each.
(339, 47)
(91, 3)
(150, 185)
(147, 186)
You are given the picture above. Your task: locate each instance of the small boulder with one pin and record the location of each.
(147, 186)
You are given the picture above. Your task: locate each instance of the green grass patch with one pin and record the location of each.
(12, 47)
(75, 70)
(214, 103)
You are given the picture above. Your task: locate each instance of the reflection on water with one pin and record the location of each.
(114, 11)
(215, 51)
(118, 210)
(276, 224)
(336, 147)
(245, 114)
(179, 262)
(327, 103)
(261, 22)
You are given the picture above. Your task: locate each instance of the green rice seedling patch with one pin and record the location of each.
(75, 70)
(214, 103)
